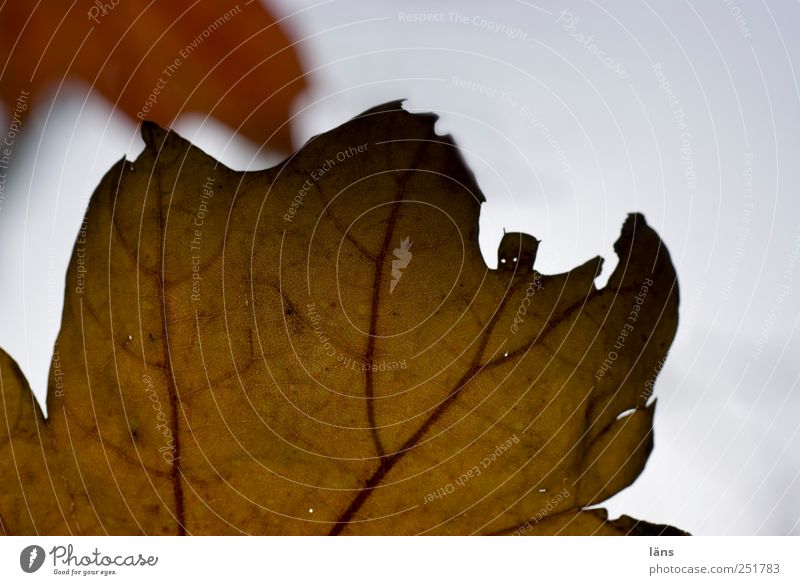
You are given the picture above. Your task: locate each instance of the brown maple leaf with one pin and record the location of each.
(234, 358)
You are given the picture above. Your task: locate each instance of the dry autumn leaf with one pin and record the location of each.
(319, 348)
(156, 61)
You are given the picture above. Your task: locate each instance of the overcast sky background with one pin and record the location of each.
(566, 134)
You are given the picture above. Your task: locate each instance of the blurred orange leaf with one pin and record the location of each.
(320, 348)
(157, 60)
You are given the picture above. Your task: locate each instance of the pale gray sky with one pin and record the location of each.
(572, 114)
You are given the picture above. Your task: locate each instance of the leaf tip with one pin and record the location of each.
(636, 217)
(153, 135)
(634, 222)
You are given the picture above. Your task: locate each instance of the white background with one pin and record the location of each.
(727, 454)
